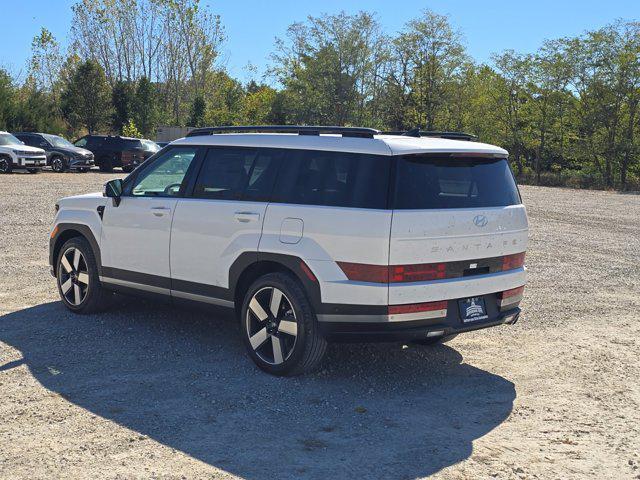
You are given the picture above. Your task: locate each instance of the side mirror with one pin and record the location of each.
(113, 189)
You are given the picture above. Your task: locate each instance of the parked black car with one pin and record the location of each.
(62, 155)
(117, 151)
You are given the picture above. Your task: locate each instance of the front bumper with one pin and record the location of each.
(77, 163)
(32, 162)
(353, 327)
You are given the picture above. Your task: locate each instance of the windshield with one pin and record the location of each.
(150, 146)
(430, 183)
(8, 139)
(57, 141)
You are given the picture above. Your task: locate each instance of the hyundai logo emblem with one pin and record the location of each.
(480, 220)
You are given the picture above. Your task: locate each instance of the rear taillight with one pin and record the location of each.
(438, 307)
(509, 262)
(511, 293)
(424, 272)
(510, 298)
(361, 272)
(417, 273)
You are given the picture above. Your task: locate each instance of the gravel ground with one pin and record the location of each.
(145, 391)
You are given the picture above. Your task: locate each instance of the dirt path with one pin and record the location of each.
(150, 392)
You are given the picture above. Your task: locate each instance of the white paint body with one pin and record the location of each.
(24, 156)
(197, 240)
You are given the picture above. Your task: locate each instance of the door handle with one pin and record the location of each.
(245, 217)
(160, 211)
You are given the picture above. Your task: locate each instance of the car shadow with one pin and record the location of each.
(182, 378)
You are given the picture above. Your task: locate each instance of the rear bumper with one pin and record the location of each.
(406, 331)
(352, 323)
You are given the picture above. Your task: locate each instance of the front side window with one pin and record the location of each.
(81, 142)
(8, 139)
(57, 141)
(425, 182)
(236, 173)
(165, 177)
(337, 179)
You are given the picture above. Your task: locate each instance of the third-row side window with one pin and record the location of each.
(336, 179)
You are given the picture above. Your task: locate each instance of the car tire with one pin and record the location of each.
(77, 278)
(5, 164)
(434, 340)
(58, 164)
(106, 165)
(33, 170)
(281, 333)
(127, 169)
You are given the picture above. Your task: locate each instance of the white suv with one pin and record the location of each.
(16, 155)
(316, 234)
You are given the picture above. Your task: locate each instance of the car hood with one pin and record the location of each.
(72, 150)
(87, 201)
(25, 148)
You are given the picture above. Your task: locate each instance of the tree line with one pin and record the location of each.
(568, 113)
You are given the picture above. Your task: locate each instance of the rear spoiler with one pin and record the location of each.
(416, 132)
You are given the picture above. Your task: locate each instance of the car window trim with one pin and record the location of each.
(130, 180)
(190, 190)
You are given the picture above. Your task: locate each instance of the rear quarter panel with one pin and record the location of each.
(330, 235)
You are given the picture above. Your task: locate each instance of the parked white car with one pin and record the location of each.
(15, 155)
(313, 235)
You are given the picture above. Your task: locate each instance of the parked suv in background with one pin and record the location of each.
(311, 237)
(116, 151)
(15, 155)
(62, 155)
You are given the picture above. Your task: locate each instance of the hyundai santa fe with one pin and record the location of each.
(312, 235)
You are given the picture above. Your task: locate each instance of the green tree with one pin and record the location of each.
(7, 100)
(198, 109)
(86, 97)
(46, 61)
(123, 97)
(130, 130)
(145, 112)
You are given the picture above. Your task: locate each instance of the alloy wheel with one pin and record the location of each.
(57, 165)
(73, 276)
(271, 325)
(4, 165)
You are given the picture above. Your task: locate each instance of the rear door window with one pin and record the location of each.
(337, 179)
(432, 183)
(236, 173)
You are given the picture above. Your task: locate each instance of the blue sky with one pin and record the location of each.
(251, 25)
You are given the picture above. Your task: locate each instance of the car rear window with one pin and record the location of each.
(429, 183)
(338, 179)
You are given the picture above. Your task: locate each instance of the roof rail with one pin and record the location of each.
(359, 132)
(434, 133)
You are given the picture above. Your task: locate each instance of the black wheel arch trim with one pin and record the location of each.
(290, 262)
(62, 234)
